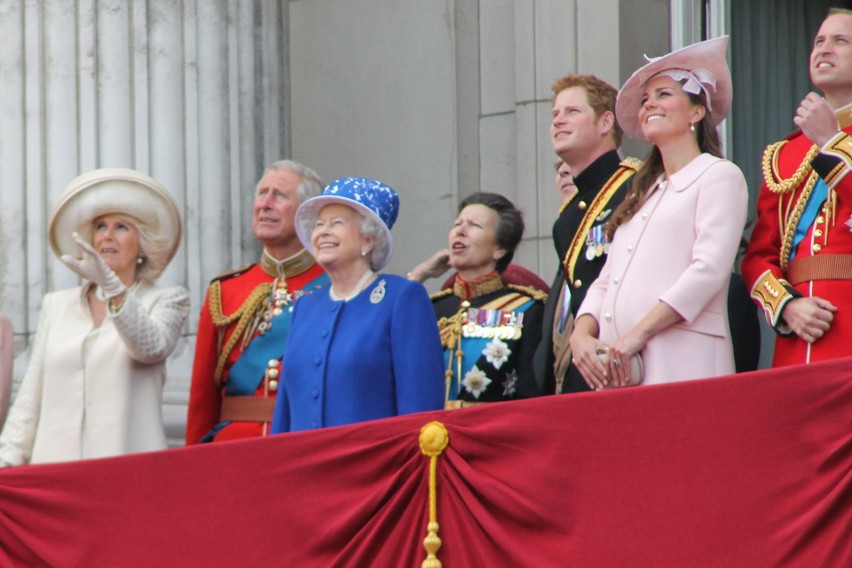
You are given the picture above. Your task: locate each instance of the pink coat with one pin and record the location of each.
(679, 248)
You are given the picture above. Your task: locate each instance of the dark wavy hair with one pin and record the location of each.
(652, 168)
(510, 224)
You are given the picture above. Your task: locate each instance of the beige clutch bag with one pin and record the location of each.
(637, 369)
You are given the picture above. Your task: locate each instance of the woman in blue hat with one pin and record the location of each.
(367, 348)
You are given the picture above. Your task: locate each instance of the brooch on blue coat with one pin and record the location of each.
(378, 293)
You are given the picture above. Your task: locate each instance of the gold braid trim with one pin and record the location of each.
(790, 219)
(245, 313)
(533, 293)
(434, 439)
(772, 176)
(443, 293)
(450, 331)
(450, 328)
(600, 201)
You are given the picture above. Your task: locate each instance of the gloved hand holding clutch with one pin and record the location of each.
(93, 267)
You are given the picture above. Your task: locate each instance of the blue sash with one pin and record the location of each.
(815, 201)
(248, 371)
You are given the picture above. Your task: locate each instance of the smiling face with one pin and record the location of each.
(666, 111)
(831, 58)
(577, 134)
(473, 242)
(336, 239)
(117, 241)
(275, 204)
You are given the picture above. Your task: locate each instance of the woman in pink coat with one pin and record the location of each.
(663, 290)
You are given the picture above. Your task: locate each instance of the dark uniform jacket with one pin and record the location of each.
(578, 238)
(490, 331)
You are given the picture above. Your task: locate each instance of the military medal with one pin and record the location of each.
(596, 244)
(491, 324)
(279, 298)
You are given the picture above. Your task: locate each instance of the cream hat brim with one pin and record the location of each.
(116, 191)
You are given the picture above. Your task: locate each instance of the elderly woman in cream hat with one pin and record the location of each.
(94, 384)
(662, 294)
(368, 346)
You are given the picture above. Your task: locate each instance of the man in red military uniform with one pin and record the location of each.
(244, 322)
(799, 260)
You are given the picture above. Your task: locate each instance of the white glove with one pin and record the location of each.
(93, 267)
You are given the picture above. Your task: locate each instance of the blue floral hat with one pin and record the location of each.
(371, 198)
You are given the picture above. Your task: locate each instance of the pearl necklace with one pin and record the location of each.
(358, 288)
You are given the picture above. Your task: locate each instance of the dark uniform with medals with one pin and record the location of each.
(242, 333)
(578, 235)
(489, 332)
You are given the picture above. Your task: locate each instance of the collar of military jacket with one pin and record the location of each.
(590, 180)
(466, 289)
(288, 267)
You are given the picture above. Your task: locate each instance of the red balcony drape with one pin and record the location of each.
(750, 470)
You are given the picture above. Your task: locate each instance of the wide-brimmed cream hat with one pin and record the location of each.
(703, 67)
(117, 191)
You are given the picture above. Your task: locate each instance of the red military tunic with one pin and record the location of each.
(821, 264)
(236, 301)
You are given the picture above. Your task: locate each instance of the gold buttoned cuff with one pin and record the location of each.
(772, 295)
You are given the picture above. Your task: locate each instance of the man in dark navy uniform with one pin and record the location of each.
(585, 135)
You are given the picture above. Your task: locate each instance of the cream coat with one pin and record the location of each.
(95, 392)
(680, 249)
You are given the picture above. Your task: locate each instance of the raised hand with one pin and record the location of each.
(93, 267)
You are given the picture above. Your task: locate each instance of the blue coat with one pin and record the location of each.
(375, 356)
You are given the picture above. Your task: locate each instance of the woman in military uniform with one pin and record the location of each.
(489, 330)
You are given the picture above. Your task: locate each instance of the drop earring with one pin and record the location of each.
(691, 127)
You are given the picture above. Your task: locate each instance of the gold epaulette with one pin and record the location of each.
(632, 163)
(232, 273)
(533, 293)
(772, 294)
(442, 294)
(772, 176)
